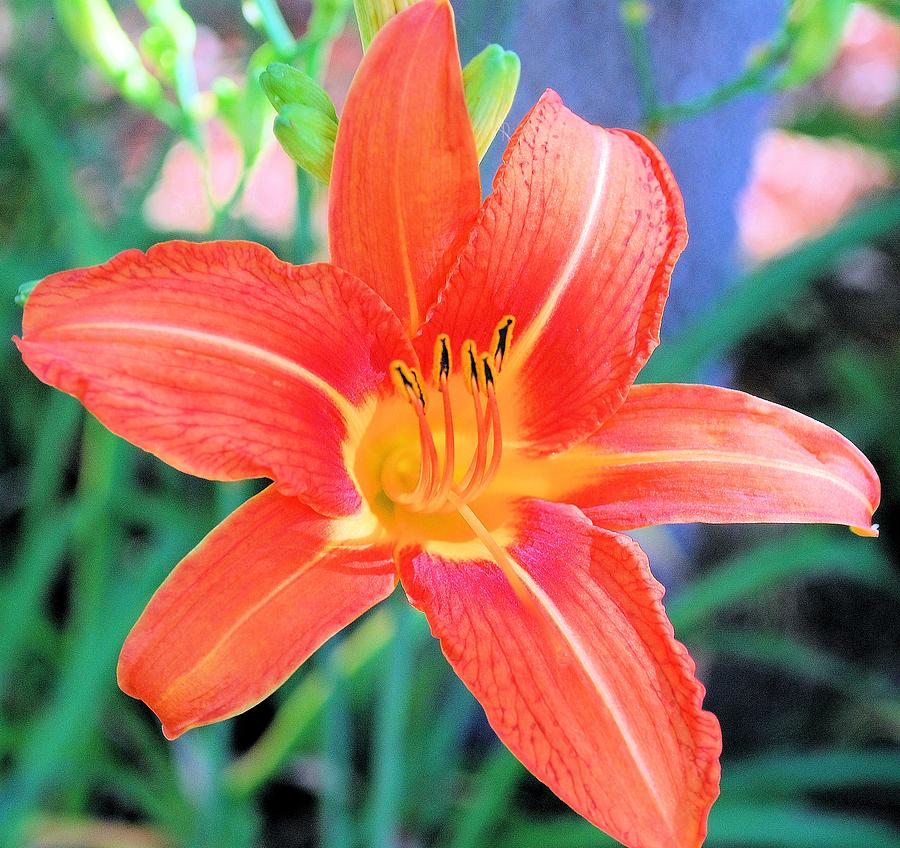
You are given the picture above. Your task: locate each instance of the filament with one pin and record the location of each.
(435, 489)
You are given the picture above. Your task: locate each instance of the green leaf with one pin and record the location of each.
(880, 134)
(491, 796)
(297, 717)
(871, 691)
(794, 826)
(886, 7)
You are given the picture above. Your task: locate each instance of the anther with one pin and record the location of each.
(407, 381)
(435, 490)
(470, 354)
(502, 339)
(442, 362)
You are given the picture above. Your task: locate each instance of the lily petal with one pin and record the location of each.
(680, 453)
(220, 359)
(579, 673)
(246, 607)
(577, 242)
(404, 185)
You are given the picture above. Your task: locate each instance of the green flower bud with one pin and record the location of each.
(95, 31)
(490, 81)
(307, 135)
(24, 291)
(285, 85)
(372, 15)
(813, 29)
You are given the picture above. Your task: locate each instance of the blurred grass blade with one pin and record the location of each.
(45, 531)
(792, 826)
(771, 565)
(798, 660)
(819, 771)
(383, 814)
(493, 787)
(568, 831)
(730, 826)
(337, 752)
(296, 720)
(765, 292)
(439, 758)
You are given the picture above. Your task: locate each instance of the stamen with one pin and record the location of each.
(435, 490)
(408, 380)
(470, 353)
(442, 365)
(475, 471)
(502, 339)
(442, 361)
(493, 416)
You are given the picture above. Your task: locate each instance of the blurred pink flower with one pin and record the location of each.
(189, 192)
(866, 74)
(192, 187)
(799, 187)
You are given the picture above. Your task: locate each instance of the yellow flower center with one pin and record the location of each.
(420, 471)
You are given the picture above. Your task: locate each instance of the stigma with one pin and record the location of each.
(438, 489)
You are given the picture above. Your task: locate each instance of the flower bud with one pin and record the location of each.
(307, 135)
(95, 31)
(490, 81)
(285, 85)
(372, 15)
(24, 291)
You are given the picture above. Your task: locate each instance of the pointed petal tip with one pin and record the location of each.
(126, 682)
(172, 732)
(550, 95)
(870, 532)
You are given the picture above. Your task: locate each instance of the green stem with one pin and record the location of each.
(755, 78)
(390, 723)
(276, 29)
(633, 14)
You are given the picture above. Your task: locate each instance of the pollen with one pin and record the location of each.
(437, 489)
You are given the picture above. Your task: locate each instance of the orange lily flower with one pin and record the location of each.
(448, 404)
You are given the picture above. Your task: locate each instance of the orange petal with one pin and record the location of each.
(247, 606)
(579, 673)
(577, 242)
(679, 453)
(220, 359)
(404, 185)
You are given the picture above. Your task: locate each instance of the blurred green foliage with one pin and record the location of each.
(374, 738)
